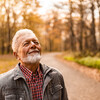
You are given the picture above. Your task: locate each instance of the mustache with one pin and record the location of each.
(33, 50)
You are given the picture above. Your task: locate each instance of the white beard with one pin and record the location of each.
(32, 58)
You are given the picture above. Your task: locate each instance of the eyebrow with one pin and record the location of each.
(30, 40)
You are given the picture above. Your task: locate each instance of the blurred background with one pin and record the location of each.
(61, 25)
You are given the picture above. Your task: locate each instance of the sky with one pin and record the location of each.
(47, 4)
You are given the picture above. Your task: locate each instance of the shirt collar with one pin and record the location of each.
(29, 74)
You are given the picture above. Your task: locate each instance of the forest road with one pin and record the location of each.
(79, 86)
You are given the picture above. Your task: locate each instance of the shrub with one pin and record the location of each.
(69, 58)
(92, 62)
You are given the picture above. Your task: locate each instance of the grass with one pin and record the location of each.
(7, 62)
(92, 62)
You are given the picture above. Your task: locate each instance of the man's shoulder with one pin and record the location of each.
(52, 71)
(6, 73)
(4, 77)
(55, 74)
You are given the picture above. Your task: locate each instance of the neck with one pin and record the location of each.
(30, 66)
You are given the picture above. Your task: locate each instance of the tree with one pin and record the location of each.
(93, 44)
(72, 36)
(81, 25)
(98, 5)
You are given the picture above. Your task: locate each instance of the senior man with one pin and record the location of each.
(30, 80)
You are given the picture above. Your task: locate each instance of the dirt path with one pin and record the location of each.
(79, 86)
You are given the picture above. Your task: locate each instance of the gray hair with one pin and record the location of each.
(19, 34)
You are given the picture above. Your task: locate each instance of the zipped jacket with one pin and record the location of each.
(13, 85)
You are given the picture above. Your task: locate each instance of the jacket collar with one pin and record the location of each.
(18, 73)
(45, 69)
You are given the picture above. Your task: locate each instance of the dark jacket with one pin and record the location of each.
(13, 85)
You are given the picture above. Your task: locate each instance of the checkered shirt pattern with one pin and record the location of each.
(34, 81)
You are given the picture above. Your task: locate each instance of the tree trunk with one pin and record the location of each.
(2, 47)
(72, 36)
(99, 22)
(81, 27)
(8, 26)
(93, 44)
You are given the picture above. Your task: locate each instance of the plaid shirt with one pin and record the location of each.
(34, 81)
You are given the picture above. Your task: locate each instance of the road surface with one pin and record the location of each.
(79, 86)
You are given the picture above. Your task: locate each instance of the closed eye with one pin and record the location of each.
(26, 43)
(36, 42)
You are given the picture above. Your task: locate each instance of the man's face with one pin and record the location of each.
(29, 49)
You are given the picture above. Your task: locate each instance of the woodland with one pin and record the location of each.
(73, 25)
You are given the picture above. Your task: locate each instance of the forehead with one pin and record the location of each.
(27, 37)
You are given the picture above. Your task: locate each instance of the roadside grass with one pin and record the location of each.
(7, 62)
(92, 62)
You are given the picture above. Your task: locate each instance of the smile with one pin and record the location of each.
(34, 51)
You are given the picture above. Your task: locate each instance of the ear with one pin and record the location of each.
(16, 55)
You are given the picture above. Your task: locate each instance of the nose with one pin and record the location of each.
(32, 44)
